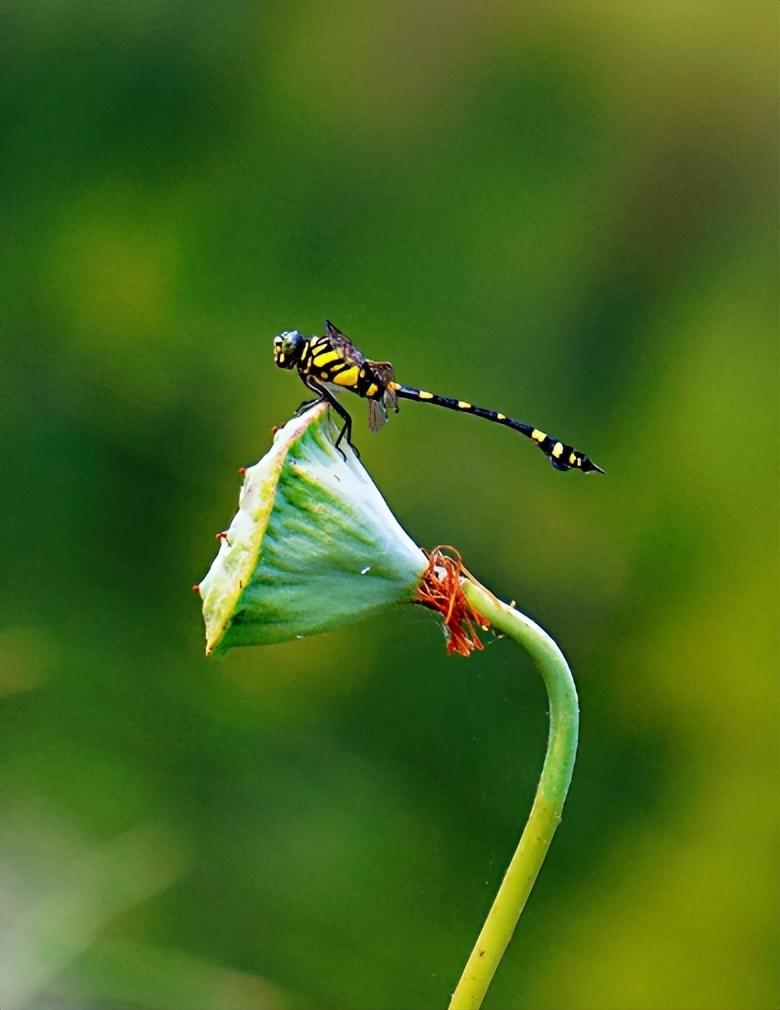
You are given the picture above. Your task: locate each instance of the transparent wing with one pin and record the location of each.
(344, 345)
(377, 414)
(384, 376)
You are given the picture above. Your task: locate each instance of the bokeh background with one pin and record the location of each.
(564, 210)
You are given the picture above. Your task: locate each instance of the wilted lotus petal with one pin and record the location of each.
(313, 545)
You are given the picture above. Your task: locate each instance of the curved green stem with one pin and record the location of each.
(548, 803)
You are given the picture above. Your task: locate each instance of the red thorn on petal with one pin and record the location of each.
(196, 587)
(242, 471)
(274, 429)
(221, 536)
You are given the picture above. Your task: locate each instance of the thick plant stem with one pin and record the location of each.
(548, 803)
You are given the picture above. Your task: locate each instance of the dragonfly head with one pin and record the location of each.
(288, 348)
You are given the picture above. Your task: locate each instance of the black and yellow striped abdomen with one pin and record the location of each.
(562, 455)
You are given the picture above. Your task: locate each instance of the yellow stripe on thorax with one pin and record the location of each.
(348, 377)
(326, 358)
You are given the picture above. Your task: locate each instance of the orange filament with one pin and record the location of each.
(440, 590)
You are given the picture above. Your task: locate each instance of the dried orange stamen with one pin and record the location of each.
(440, 590)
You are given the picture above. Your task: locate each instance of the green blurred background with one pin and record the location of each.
(566, 211)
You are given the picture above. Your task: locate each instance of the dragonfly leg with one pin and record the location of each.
(324, 394)
(302, 407)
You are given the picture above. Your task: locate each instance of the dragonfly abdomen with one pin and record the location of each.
(562, 455)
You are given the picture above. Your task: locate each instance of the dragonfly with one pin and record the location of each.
(331, 363)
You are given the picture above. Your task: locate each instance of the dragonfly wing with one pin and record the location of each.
(384, 376)
(377, 414)
(343, 344)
